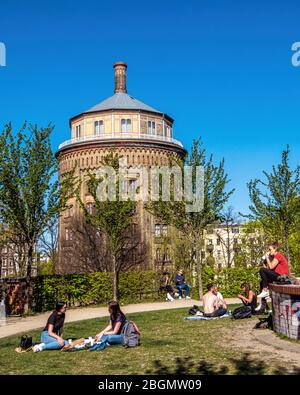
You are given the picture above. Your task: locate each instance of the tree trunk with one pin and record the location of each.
(115, 279)
(287, 248)
(199, 270)
(28, 277)
(29, 259)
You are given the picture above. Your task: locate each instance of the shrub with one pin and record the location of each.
(96, 288)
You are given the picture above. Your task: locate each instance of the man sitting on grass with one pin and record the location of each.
(211, 303)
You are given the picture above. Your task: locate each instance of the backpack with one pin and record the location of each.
(26, 342)
(131, 336)
(192, 311)
(265, 323)
(242, 312)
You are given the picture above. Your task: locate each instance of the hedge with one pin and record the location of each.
(96, 288)
(89, 288)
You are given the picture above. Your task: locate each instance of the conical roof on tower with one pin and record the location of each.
(121, 100)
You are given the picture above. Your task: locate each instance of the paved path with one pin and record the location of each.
(269, 338)
(14, 325)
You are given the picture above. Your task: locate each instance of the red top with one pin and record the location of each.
(282, 267)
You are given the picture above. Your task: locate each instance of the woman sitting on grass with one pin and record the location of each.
(112, 334)
(51, 336)
(249, 298)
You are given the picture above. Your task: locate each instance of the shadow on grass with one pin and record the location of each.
(242, 366)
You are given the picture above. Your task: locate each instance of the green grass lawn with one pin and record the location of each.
(169, 345)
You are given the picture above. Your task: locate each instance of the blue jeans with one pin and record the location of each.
(183, 286)
(112, 339)
(50, 342)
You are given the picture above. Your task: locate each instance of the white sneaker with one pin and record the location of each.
(263, 294)
(180, 297)
(38, 347)
(169, 297)
(188, 297)
(258, 307)
(268, 299)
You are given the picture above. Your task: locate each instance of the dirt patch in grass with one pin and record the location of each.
(240, 336)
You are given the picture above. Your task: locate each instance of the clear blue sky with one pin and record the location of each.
(221, 69)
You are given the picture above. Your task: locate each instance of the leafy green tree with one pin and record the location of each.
(252, 246)
(29, 195)
(192, 224)
(111, 218)
(276, 202)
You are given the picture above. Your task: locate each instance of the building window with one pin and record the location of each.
(123, 185)
(98, 128)
(89, 207)
(4, 272)
(78, 131)
(132, 186)
(158, 254)
(210, 242)
(4, 263)
(69, 212)
(167, 255)
(157, 230)
(4, 250)
(167, 131)
(151, 127)
(235, 230)
(134, 229)
(69, 235)
(125, 125)
(165, 230)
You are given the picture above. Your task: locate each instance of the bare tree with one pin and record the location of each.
(48, 242)
(87, 249)
(227, 237)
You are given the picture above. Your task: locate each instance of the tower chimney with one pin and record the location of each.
(120, 77)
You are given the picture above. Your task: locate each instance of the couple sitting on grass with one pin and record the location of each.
(214, 304)
(52, 339)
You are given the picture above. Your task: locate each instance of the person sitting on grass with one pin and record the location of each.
(51, 337)
(221, 300)
(210, 303)
(112, 334)
(274, 268)
(249, 298)
(181, 284)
